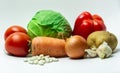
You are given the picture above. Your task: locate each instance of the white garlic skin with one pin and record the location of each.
(91, 53)
(104, 50)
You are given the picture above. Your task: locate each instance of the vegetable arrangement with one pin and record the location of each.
(50, 34)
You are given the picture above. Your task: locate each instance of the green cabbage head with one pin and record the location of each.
(49, 23)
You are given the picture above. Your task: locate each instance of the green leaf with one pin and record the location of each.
(49, 23)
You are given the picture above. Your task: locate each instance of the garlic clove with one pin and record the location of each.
(91, 53)
(104, 50)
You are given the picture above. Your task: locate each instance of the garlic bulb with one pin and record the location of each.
(91, 53)
(104, 50)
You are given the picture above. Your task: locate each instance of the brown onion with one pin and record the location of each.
(75, 46)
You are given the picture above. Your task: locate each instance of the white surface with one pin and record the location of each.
(21, 11)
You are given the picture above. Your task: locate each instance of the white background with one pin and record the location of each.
(20, 12)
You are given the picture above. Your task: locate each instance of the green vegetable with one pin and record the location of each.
(49, 23)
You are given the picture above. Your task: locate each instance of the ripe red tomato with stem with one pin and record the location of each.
(17, 44)
(12, 29)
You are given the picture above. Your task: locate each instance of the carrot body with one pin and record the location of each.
(48, 46)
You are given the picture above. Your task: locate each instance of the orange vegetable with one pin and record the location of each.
(75, 46)
(48, 46)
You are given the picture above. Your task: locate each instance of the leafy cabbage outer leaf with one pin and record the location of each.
(49, 23)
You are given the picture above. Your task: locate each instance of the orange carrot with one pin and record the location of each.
(48, 46)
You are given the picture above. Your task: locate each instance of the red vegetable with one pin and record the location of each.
(12, 29)
(87, 23)
(17, 44)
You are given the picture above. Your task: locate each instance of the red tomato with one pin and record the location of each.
(17, 44)
(87, 23)
(12, 29)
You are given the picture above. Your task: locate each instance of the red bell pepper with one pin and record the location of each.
(87, 23)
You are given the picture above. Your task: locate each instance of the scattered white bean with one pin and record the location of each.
(47, 60)
(50, 59)
(54, 59)
(40, 60)
(41, 55)
(47, 56)
(35, 61)
(30, 62)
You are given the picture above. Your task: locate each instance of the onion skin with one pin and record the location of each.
(75, 47)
